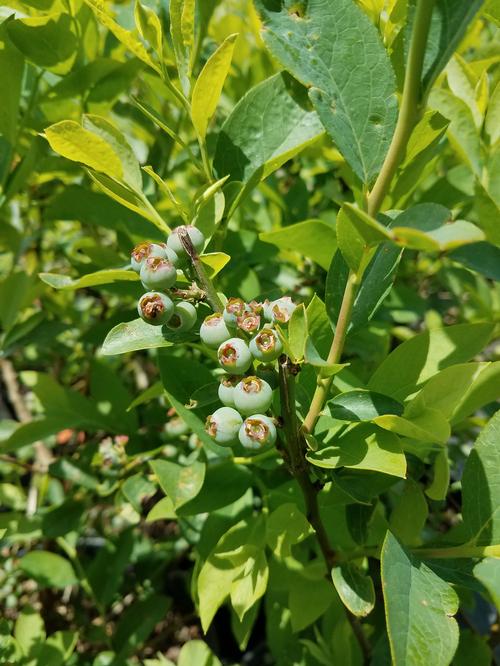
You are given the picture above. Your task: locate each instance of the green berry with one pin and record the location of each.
(158, 273)
(282, 310)
(226, 389)
(252, 395)
(249, 323)
(223, 426)
(266, 345)
(155, 308)
(195, 235)
(234, 356)
(213, 331)
(144, 250)
(184, 317)
(235, 308)
(176, 427)
(257, 431)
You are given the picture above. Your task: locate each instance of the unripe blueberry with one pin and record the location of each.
(256, 307)
(223, 425)
(249, 322)
(158, 273)
(234, 356)
(266, 346)
(147, 249)
(176, 427)
(252, 395)
(155, 308)
(267, 311)
(195, 235)
(226, 389)
(282, 310)
(257, 431)
(213, 331)
(171, 255)
(184, 317)
(235, 308)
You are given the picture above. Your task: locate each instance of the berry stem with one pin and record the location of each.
(205, 282)
(412, 103)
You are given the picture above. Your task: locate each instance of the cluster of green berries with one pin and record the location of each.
(157, 265)
(244, 333)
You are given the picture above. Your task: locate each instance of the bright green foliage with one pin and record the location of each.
(336, 164)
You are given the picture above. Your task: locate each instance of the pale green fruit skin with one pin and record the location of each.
(213, 331)
(161, 308)
(259, 350)
(234, 356)
(184, 317)
(158, 273)
(226, 389)
(195, 235)
(254, 443)
(175, 428)
(252, 395)
(286, 306)
(224, 425)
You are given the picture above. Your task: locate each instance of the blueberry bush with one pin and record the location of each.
(249, 332)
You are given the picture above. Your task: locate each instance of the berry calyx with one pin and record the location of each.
(235, 308)
(226, 389)
(184, 317)
(249, 322)
(223, 426)
(155, 308)
(282, 310)
(234, 356)
(195, 236)
(251, 395)
(213, 331)
(266, 345)
(144, 250)
(257, 431)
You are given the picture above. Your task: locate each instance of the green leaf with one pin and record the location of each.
(481, 489)
(286, 526)
(419, 609)
(78, 144)
(29, 630)
(182, 32)
(33, 35)
(438, 489)
(363, 447)
(309, 596)
(162, 510)
(376, 283)
(297, 333)
(208, 86)
(409, 515)
(133, 336)
(136, 488)
(250, 585)
(428, 227)
(428, 425)
(149, 25)
(362, 405)
(488, 573)
(137, 623)
(125, 37)
(487, 216)
(197, 652)
(58, 648)
(107, 276)
(472, 649)
(357, 232)
(405, 370)
(179, 483)
(271, 124)
(48, 569)
(450, 20)
(314, 239)
(109, 133)
(355, 588)
(484, 258)
(12, 68)
(314, 41)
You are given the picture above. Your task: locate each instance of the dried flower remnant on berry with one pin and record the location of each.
(249, 322)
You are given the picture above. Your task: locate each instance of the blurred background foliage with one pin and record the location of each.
(84, 560)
